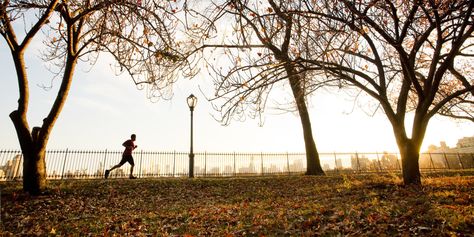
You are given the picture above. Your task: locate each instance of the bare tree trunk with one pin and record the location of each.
(312, 156)
(33, 143)
(410, 151)
(34, 171)
(410, 167)
(34, 165)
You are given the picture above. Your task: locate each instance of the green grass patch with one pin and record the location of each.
(253, 206)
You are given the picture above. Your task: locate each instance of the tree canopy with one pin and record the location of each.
(411, 57)
(140, 35)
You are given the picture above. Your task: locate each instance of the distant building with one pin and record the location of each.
(249, 169)
(215, 171)
(228, 169)
(119, 172)
(389, 161)
(11, 169)
(272, 169)
(297, 166)
(360, 163)
(339, 164)
(199, 170)
(2, 175)
(466, 144)
(461, 156)
(100, 171)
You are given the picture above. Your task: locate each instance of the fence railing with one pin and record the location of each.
(80, 164)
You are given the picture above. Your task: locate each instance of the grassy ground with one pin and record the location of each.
(371, 205)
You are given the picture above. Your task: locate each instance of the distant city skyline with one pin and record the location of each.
(92, 164)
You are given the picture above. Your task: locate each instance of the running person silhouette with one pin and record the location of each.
(126, 156)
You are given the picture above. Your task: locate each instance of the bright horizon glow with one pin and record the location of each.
(103, 109)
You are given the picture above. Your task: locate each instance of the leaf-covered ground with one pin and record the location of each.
(356, 205)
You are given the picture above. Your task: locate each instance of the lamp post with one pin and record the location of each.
(192, 101)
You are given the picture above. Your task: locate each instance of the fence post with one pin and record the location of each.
(288, 163)
(460, 161)
(358, 163)
(174, 163)
(105, 159)
(140, 166)
(378, 161)
(432, 164)
(261, 163)
(446, 159)
(235, 172)
(64, 163)
(205, 163)
(335, 162)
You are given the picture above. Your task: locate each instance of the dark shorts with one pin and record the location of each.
(127, 158)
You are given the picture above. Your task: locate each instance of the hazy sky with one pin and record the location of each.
(103, 109)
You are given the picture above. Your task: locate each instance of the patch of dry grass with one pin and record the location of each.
(294, 205)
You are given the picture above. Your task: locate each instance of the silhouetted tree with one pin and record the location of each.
(138, 34)
(260, 40)
(412, 57)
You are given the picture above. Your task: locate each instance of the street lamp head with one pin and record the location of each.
(192, 101)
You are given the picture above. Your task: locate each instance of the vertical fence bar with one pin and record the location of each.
(3, 155)
(105, 160)
(446, 159)
(174, 163)
(235, 168)
(288, 163)
(431, 162)
(358, 162)
(378, 161)
(205, 163)
(261, 164)
(140, 169)
(88, 163)
(460, 161)
(84, 160)
(64, 163)
(2, 162)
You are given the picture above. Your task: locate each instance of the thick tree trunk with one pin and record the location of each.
(312, 156)
(410, 147)
(410, 150)
(297, 80)
(33, 143)
(34, 165)
(34, 171)
(410, 166)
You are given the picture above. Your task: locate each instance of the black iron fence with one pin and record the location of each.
(80, 164)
